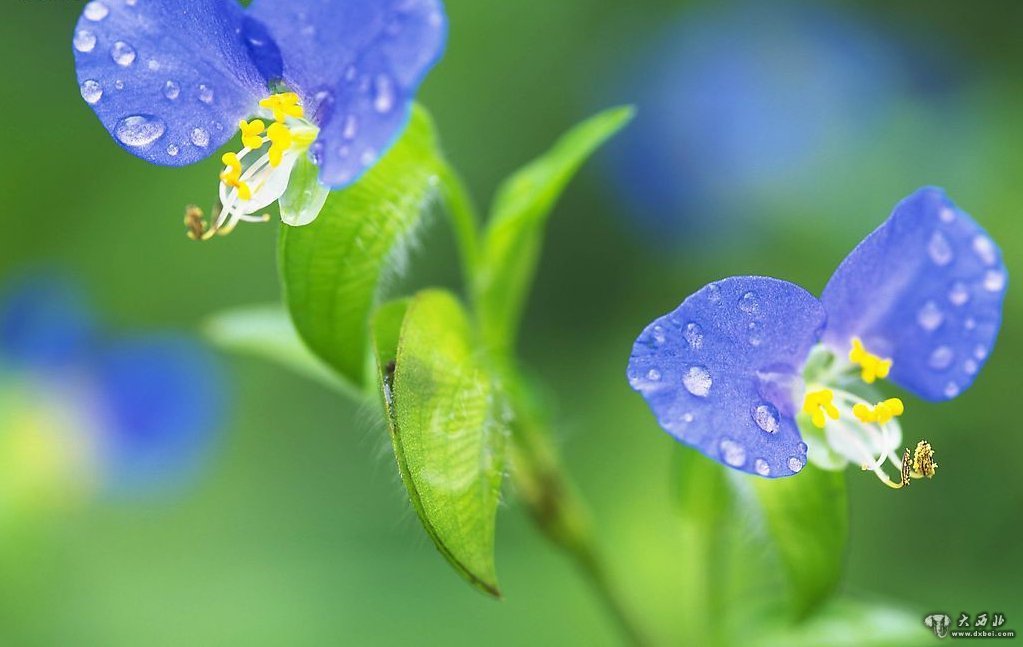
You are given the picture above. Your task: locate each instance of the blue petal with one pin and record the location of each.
(357, 65)
(721, 372)
(45, 322)
(163, 400)
(924, 289)
(169, 80)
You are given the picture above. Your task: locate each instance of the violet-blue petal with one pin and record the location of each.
(723, 371)
(357, 65)
(169, 80)
(163, 403)
(925, 289)
(45, 323)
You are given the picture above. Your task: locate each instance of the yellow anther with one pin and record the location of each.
(280, 141)
(873, 366)
(819, 403)
(880, 413)
(923, 460)
(231, 176)
(251, 132)
(283, 105)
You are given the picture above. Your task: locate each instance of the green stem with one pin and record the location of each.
(464, 222)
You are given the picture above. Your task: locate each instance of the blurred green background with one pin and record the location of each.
(299, 533)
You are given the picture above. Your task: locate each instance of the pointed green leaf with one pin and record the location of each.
(808, 517)
(514, 236)
(266, 331)
(446, 421)
(331, 269)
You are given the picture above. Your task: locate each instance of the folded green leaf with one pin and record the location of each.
(807, 516)
(266, 331)
(446, 418)
(331, 269)
(514, 236)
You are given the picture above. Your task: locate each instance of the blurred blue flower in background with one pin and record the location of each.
(737, 104)
(84, 415)
(920, 299)
(173, 81)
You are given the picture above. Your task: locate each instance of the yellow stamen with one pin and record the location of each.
(251, 131)
(923, 460)
(283, 106)
(819, 403)
(280, 141)
(232, 174)
(880, 413)
(873, 366)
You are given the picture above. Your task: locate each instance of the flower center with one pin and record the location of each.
(251, 182)
(854, 429)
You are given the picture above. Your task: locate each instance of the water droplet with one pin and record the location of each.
(172, 150)
(96, 11)
(153, 65)
(714, 293)
(802, 448)
(130, 3)
(970, 367)
(92, 92)
(368, 157)
(139, 130)
(122, 53)
(200, 137)
(85, 41)
(694, 335)
(951, 390)
(653, 375)
(732, 452)
(939, 249)
(119, 84)
(946, 214)
(959, 294)
(980, 352)
(795, 464)
(929, 316)
(351, 127)
(316, 153)
(383, 97)
(205, 94)
(985, 249)
(697, 381)
(766, 417)
(754, 335)
(970, 323)
(762, 468)
(171, 90)
(687, 417)
(994, 280)
(749, 303)
(941, 358)
(658, 332)
(350, 73)
(344, 151)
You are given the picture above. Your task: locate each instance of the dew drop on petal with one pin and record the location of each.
(316, 153)
(970, 367)
(119, 84)
(802, 448)
(368, 157)
(929, 316)
(959, 293)
(795, 464)
(653, 375)
(139, 130)
(697, 381)
(732, 452)
(714, 293)
(980, 352)
(658, 334)
(122, 53)
(172, 150)
(171, 90)
(941, 358)
(687, 417)
(951, 390)
(383, 94)
(994, 280)
(205, 93)
(762, 468)
(766, 417)
(985, 249)
(970, 323)
(947, 214)
(200, 137)
(939, 249)
(85, 41)
(92, 92)
(96, 11)
(694, 335)
(749, 303)
(350, 128)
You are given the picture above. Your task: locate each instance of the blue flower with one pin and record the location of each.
(174, 81)
(128, 415)
(918, 301)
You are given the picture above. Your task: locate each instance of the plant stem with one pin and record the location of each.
(464, 222)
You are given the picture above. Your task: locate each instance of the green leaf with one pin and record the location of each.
(514, 237)
(446, 419)
(807, 516)
(850, 623)
(332, 269)
(305, 196)
(266, 331)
